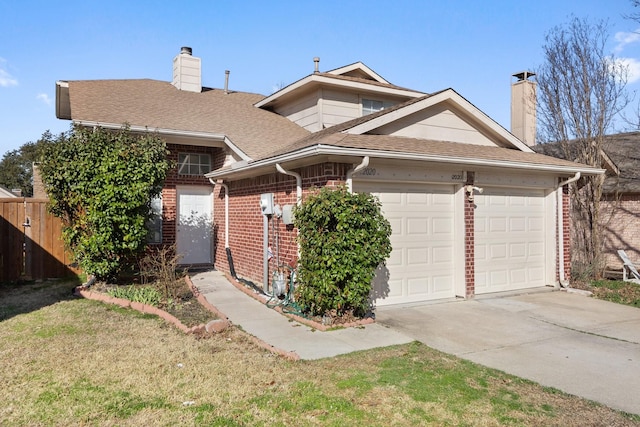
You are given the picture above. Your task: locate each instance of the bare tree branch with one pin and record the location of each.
(581, 89)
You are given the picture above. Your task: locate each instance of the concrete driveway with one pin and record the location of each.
(580, 345)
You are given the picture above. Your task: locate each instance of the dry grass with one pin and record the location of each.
(67, 362)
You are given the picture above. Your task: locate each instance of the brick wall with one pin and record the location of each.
(621, 229)
(469, 247)
(246, 219)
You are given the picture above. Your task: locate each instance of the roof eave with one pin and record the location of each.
(209, 137)
(348, 154)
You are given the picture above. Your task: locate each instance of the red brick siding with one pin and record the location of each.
(621, 228)
(566, 231)
(246, 221)
(469, 247)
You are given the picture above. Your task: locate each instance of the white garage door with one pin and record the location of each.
(421, 265)
(509, 240)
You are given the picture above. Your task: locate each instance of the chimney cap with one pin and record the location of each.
(524, 75)
(186, 50)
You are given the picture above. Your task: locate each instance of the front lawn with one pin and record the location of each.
(68, 361)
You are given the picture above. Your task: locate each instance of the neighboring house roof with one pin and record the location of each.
(4, 192)
(621, 158)
(159, 105)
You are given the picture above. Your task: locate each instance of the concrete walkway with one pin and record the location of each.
(580, 345)
(280, 332)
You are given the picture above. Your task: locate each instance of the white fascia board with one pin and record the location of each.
(62, 87)
(359, 66)
(447, 95)
(171, 132)
(329, 150)
(336, 82)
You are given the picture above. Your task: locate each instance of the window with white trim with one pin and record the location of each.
(193, 164)
(371, 106)
(154, 225)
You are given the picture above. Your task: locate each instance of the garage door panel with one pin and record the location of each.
(421, 264)
(442, 255)
(517, 250)
(418, 257)
(497, 225)
(442, 227)
(510, 251)
(417, 227)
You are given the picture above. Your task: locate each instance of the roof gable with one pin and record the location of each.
(360, 71)
(444, 116)
(356, 76)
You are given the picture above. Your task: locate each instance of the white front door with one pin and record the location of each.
(194, 225)
(510, 239)
(422, 262)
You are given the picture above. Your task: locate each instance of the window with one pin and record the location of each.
(371, 106)
(154, 225)
(193, 164)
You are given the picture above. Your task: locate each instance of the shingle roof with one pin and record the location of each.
(623, 149)
(362, 80)
(158, 104)
(396, 144)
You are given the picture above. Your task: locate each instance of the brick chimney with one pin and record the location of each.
(523, 107)
(187, 71)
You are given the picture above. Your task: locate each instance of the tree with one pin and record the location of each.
(16, 166)
(581, 89)
(343, 239)
(101, 182)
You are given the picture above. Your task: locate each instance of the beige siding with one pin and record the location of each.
(438, 123)
(338, 107)
(303, 112)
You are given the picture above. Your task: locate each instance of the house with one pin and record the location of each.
(5, 192)
(473, 209)
(620, 202)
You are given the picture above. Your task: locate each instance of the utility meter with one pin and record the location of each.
(266, 203)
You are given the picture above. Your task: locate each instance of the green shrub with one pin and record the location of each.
(101, 182)
(343, 238)
(142, 294)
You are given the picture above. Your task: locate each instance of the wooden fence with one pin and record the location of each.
(31, 246)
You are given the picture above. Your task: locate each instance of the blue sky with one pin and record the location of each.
(471, 46)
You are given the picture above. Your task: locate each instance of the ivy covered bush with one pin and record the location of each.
(101, 182)
(343, 238)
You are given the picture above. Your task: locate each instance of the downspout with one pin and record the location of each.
(298, 178)
(350, 172)
(232, 269)
(563, 281)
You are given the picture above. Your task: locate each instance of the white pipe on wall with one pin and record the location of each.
(226, 210)
(350, 172)
(298, 178)
(563, 281)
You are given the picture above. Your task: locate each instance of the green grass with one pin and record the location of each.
(75, 362)
(617, 291)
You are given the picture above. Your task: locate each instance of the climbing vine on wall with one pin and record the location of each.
(101, 182)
